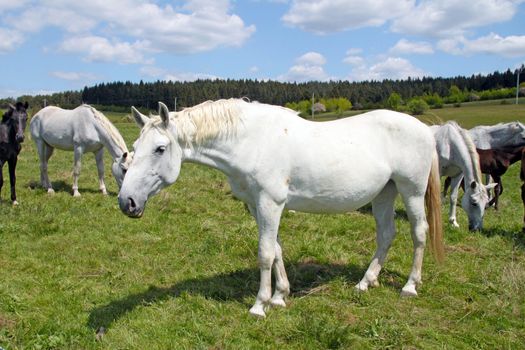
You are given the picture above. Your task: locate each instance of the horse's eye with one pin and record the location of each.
(474, 204)
(160, 149)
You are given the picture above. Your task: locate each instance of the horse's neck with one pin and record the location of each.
(218, 155)
(115, 147)
(463, 158)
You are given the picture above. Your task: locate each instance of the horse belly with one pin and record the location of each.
(335, 195)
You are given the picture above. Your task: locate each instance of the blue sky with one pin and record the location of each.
(55, 45)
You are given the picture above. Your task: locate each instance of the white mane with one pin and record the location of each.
(109, 127)
(471, 147)
(203, 122)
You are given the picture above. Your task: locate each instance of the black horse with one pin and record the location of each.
(11, 136)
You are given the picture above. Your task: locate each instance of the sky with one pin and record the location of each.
(51, 46)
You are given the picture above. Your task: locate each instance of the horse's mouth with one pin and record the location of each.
(130, 208)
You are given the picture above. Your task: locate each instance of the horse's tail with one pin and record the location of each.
(433, 205)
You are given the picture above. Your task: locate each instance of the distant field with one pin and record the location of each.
(468, 115)
(185, 275)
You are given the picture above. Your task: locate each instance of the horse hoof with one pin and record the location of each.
(76, 194)
(257, 311)
(50, 191)
(361, 287)
(409, 291)
(277, 302)
(15, 203)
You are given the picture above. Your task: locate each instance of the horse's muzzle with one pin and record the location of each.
(129, 207)
(19, 138)
(472, 227)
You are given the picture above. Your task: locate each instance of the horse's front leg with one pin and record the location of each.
(99, 158)
(268, 215)
(1, 177)
(12, 178)
(454, 184)
(76, 169)
(282, 285)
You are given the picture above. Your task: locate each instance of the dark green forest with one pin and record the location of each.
(118, 96)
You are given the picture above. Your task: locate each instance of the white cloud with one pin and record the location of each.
(99, 49)
(354, 60)
(9, 40)
(494, 44)
(404, 46)
(74, 76)
(390, 68)
(6, 5)
(160, 73)
(308, 67)
(446, 18)
(328, 16)
(354, 51)
(196, 26)
(312, 59)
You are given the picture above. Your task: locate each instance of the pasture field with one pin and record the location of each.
(185, 275)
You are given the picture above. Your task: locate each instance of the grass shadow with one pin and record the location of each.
(304, 278)
(516, 237)
(62, 186)
(401, 213)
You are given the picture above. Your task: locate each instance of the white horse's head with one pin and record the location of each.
(474, 202)
(156, 162)
(120, 167)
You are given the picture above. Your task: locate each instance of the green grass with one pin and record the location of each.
(185, 275)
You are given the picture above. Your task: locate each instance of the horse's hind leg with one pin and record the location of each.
(99, 158)
(44, 153)
(76, 169)
(383, 210)
(415, 207)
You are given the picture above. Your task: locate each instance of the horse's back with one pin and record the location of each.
(62, 128)
(341, 165)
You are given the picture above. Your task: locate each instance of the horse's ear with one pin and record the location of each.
(164, 114)
(140, 118)
(473, 185)
(26, 105)
(491, 186)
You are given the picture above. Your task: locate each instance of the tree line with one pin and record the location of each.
(118, 96)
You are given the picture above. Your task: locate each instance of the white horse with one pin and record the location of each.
(498, 136)
(81, 130)
(275, 160)
(458, 158)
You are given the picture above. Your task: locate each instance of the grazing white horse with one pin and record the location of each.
(275, 160)
(81, 130)
(458, 158)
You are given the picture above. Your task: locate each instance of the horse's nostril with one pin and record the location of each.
(132, 204)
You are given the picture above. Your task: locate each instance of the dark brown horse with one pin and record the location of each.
(495, 162)
(12, 130)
